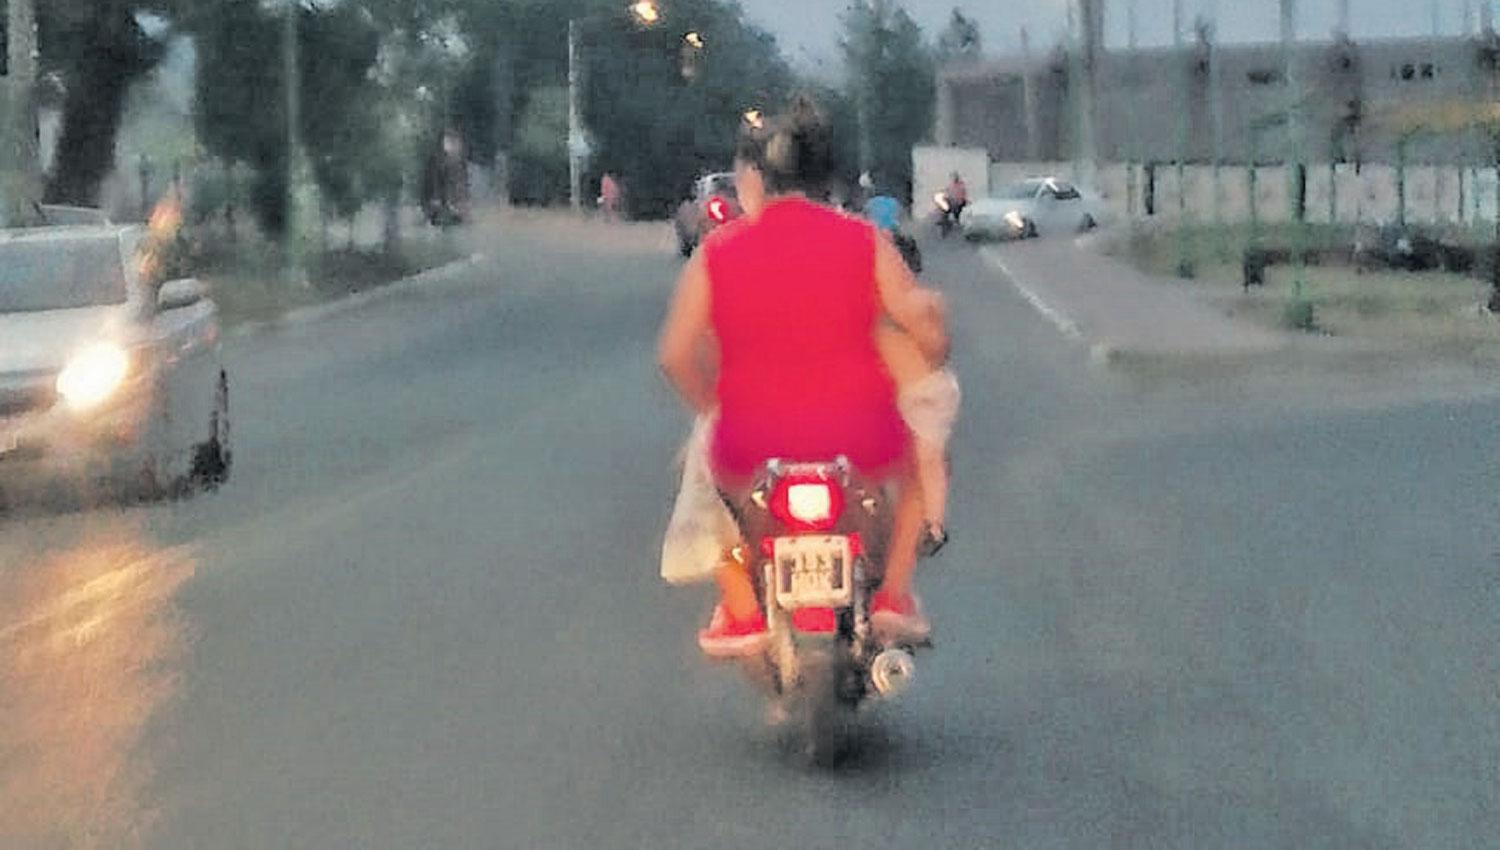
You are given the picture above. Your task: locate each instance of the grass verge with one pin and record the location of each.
(1434, 310)
(249, 283)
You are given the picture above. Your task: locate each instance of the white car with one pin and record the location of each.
(1029, 208)
(105, 377)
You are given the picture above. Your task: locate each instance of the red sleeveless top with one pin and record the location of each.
(794, 306)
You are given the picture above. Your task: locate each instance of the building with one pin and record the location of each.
(1150, 104)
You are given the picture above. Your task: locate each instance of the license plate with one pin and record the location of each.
(813, 572)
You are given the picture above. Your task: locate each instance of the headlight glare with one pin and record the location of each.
(92, 375)
(1016, 220)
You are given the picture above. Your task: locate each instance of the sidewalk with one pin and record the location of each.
(1119, 312)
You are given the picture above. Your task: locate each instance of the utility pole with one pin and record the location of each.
(577, 147)
(1029, 96)
(1185, 266)
(1092, 21)
(292, 79)
(1075, 91)
(1132, 185)
(1216, 112)
(1294, 131)
(20, 165)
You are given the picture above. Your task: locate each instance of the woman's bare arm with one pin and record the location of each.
(916, 311)
(685, 334)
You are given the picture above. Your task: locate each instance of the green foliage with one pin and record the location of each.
(892, 80)
(359, 72)
(1300, 314)
(654, 127)
(960, 41)
(97, 48)
(541, 150)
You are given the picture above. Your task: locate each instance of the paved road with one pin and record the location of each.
(424, 613)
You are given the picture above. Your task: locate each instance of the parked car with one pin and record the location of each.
(106, 377)
(714, 202)
(57, 215)
(1029, 208)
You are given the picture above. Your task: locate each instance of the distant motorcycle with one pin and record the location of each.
(945, 213)
(817, 534)
(444, 214)
(909, 251)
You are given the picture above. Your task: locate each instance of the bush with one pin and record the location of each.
(1300, 315)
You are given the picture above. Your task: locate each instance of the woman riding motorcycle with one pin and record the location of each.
(772, 329)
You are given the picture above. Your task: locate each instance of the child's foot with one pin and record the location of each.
(934, 538)
(898, 616)
(726, 637)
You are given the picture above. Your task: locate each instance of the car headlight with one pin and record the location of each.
(93, 375)
(1015, 220)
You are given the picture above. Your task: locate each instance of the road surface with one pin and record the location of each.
(424, 613)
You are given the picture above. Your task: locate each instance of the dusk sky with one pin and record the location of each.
(808, 29)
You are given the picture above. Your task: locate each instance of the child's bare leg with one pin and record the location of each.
(735, 587)
(932, 471)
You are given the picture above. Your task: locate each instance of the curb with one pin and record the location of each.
(355, 301)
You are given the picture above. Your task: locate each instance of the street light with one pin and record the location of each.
(647, 14)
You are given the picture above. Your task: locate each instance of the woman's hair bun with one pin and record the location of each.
(794, 149)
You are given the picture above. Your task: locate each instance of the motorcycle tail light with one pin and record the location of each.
(807, 503)
(718, 210)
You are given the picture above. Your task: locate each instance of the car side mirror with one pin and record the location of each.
(176, 294)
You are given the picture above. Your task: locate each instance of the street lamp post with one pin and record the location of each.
(647, 14)
(294, 270)
(576, 148)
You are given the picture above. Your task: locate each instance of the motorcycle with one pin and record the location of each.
(445, 214)
(909, 251)
(816, 534)
(946, 213)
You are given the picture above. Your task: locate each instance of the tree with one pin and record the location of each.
(366, 65)
(654, 127)
(892, 80)
(961, 41)
(97, 48)
(540, 146)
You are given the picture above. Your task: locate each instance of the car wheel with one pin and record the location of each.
(1030, 232)
(169, 473)
(1087, 223)
(214, 457)
(685, 248)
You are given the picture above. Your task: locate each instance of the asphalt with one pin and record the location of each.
(1177, 612)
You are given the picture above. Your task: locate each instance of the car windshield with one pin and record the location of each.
(43, 274)
(720, 184)
(1024, 190)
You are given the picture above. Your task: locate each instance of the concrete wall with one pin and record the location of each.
(1434, 194)
(1157, 104)
(932, 168)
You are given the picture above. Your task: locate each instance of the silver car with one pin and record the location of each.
(106, 378)
(1031, 207)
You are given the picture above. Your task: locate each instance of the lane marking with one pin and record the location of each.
(1060, 319)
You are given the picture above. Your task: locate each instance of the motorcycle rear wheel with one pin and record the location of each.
(823, 715)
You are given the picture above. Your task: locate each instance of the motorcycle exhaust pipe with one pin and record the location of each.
(891, 672)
